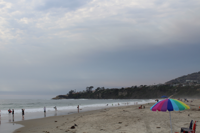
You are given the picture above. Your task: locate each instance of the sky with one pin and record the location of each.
(49, 47)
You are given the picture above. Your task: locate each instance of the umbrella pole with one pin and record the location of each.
(170, 120)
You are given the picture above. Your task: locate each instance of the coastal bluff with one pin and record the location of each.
(145, 92)
(187, 86)
(60, 97)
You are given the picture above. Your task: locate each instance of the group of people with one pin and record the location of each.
(13, 112)
(184, 100)
(142, 107)
(121, 103)
(9, 111)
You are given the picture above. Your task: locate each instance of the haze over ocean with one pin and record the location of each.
(50, 47)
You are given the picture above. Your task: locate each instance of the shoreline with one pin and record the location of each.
(8, 122)
(124, 119)
(69, 114)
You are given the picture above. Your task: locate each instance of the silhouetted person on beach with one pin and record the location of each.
(13, 115)
(44, 109)
(23, 114)
(13, 112)
(78, 108)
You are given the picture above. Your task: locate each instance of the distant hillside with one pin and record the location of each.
(190, 78)
(146, 92)
(187, 86)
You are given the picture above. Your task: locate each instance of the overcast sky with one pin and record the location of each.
(48, 47)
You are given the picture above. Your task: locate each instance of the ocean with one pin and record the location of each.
(34, 108)
(37, 105)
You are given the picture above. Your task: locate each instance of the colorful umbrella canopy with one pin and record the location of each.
(170, 105)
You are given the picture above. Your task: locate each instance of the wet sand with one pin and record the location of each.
(126, 119)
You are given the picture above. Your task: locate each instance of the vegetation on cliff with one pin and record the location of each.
(142, 92)
(186, 79)
(187, 86)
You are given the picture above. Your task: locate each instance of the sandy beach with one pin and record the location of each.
(126, 119)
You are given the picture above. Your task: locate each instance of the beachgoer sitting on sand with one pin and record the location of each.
(140, 107)
(185, 100)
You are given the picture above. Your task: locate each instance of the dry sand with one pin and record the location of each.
(128, 119)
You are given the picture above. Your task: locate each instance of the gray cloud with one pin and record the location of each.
(48, 46)
(66, 4)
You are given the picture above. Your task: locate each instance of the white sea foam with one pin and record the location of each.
(33, 106)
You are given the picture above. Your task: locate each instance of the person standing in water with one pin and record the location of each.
(13, 112)
(23, 113)
(78, 108)
(9, 111)
(44, 109)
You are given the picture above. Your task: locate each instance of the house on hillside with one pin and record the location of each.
(191, 81)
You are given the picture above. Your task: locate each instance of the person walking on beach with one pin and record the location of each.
(23, 113)
(78, 108)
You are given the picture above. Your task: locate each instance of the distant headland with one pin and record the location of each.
(187, 86)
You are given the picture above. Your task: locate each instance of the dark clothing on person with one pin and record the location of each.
(9, 111)
(22, 111)
(78, 108)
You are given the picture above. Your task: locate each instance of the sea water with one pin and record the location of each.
(34, 108)
(37, 105)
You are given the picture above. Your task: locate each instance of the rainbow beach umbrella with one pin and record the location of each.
(170, 105)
